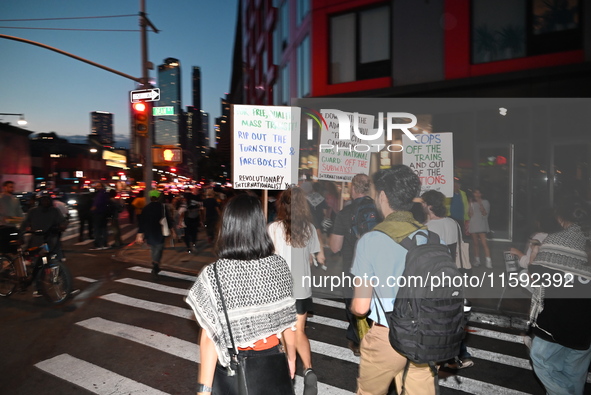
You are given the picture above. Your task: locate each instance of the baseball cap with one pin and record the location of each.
(155, 193)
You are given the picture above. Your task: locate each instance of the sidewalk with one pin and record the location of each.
(500, 306)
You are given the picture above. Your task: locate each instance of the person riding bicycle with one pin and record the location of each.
(47, 219)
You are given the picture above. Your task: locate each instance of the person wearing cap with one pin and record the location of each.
(150, 229)
(46, 218)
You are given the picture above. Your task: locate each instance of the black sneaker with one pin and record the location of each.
(310, 382)
(155, 268)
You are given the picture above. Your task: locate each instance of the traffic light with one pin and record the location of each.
(167, 156)
(141, 118)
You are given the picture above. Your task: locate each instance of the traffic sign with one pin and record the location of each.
(169, 110)
(152, 94)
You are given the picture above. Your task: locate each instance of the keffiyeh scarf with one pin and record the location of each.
(562, 251)
(258, 296)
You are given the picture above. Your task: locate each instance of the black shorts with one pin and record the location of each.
(304, 305)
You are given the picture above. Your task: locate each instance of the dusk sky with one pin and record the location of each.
(58, 93)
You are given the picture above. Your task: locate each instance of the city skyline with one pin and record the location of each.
(57, 93)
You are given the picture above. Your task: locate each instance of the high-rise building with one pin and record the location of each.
(205, 128)
(169, 81)
(101, 125)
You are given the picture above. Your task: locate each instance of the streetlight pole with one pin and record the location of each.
(21, 121)
(148, 138)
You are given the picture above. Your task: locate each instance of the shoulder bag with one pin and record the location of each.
(462, 252)
(164, 223)
(257, 374)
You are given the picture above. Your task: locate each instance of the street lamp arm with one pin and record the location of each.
(100, 66)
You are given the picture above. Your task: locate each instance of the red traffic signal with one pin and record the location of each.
(140, 116)
(172, 169)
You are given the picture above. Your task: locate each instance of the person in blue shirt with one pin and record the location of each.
(379, 259)
(458, 206)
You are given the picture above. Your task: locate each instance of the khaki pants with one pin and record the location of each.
(380, 364)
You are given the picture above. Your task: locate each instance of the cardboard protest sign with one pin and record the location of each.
(431, 157)
(265, 146)
(341, 160)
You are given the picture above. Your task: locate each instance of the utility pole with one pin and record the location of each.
(146, 66)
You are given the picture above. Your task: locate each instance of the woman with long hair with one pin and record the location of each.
(296, 239)
(257, 288)
(478, 226)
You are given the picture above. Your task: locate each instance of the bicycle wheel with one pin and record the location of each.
(8, 276)
(55, 282)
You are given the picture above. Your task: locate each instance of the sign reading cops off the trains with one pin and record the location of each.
(265, 146)
(431, 157)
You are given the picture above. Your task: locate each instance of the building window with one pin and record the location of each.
(304, 67)
(524, 28)
(303, 7)
(360, 45)
(281, 32)
(285, 96)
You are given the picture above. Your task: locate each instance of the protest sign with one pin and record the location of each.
(341, 160)
(265, 146)
(431, 157)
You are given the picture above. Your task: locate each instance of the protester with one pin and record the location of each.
(99, 212)
(150, 229)
(246, 262)
(212, 214)
(10, 207)
(83, 206)
(379, 256)
(45, 218)
(478, 226)
(296, 240)
(344, 238)
(448, 231)
(560, 311)
(458, 206)
(114, 208)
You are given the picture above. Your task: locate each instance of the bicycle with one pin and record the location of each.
(21, 267)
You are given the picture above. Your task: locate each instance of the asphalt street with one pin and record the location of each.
(129, 331)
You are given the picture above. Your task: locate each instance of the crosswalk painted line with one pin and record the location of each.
(93, 378)
(329, 303)
(171, 345)
(339, 353)
(168, 344)
(86, 279)
(317, 347)
(179, 276)
(495, 335)
(316, 319)
(150, 306)
(155, 287)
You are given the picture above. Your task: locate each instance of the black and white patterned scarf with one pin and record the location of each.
(258, 295)
(562, 251)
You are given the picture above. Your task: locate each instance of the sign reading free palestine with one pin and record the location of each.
(265, 146)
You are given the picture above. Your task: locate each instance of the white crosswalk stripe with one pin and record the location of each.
(190, 351)
(93, 378)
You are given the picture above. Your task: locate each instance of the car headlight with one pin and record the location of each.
(71, 202)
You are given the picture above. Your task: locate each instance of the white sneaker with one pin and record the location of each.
(488, 263)
(476, 262)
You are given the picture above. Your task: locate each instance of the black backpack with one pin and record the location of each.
(365, 217)
(427, 325)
